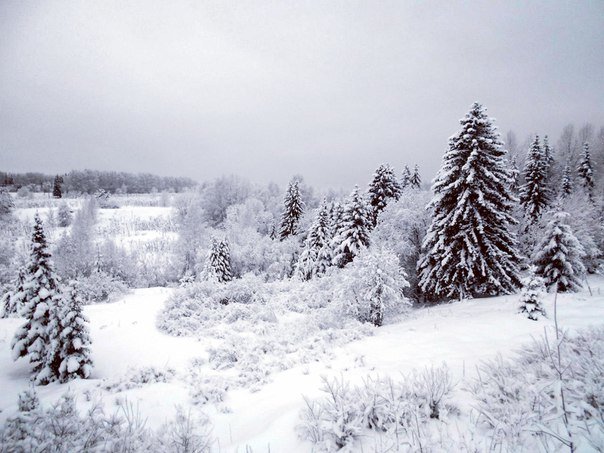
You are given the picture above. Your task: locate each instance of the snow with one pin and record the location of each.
(124, 337)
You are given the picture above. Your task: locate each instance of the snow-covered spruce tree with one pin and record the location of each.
(566, 187)
(12, 301)
(372, 286)
(533, 289)
(558, 257)
(224, 261)
(585, 171)
(56, 189)
(382, 188)
(354, 231)
(41, 300)
(316, 255)
(469, 250)
(73, 339)
(415, 181)
(293, 209)
(534, 193)
(218, 263)
(406, 179)
(336, 218)
(515, 174)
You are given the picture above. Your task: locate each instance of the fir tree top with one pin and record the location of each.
(293, 209)
(416, 180)
(406, 177)
(354, 230)
(534, 193)
(567, 182)
(383, 187)
(585, 170)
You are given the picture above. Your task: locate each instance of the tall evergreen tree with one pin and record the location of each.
(383, 188)
(585, 171)
(534, 193)
(73, 339)
(354, 230)
(41, 299)
(567, 182)
(415, 181)
(469, 250)
(515, 175)
(316, 256)
(336, 224)
(293, 209)
(558, 259)
(406, 180)
(549, 162)
(56, 189)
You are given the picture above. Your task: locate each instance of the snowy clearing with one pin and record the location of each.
(124, 336)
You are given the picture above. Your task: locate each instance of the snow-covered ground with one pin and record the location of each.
(124, 337)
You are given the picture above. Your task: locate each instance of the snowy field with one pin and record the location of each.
(125, 340)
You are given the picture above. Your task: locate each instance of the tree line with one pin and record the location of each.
(91, 181)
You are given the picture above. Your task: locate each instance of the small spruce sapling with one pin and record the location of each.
(533, 289)
(558, 260)
(12, 302)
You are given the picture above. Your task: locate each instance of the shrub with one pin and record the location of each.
(100, 287)
(62, 428)
(199, 306)
(397, 408)
(137, 377)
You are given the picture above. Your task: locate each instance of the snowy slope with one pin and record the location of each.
(124, 336)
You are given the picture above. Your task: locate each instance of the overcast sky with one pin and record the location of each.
(268, 89)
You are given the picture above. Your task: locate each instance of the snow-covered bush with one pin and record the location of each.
(215, 198)
(100, 287)
(396, 409)
(372, 286)
(74, 253)
(63, 428)
(205, 388)
(199, 306)
(6, 202)
(401, 228)
(336, 420)
(186, 433)
(137, 377)
(541, 397)
(587, 226)
(64, 215)
(260, 255)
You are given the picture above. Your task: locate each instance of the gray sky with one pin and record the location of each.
(268, 89)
